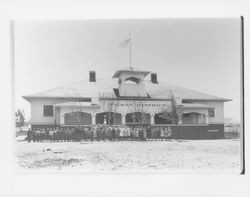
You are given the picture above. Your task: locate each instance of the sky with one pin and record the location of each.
(201, 54)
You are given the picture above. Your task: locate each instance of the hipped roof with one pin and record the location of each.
(86, 89)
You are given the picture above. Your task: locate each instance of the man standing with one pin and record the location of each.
(144, 134)
(148, 132)
(113, 134)
(29, 133)
(169, 133)
(98, 133)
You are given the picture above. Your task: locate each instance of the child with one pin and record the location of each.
(161, 134)
(165, 133)
(169, 133)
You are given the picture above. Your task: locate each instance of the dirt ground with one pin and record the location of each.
(205, 156)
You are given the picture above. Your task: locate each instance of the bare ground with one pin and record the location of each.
(150, 156)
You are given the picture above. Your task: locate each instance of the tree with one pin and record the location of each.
(76, 109)
(172, 113)
(138, 110)
(109, 105)
(20, 117)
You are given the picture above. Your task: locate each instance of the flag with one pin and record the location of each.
(124, 43)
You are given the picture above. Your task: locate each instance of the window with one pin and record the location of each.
(133, 80)
(211, 112)
(48, 110)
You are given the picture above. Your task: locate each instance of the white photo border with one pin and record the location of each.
(13, 184)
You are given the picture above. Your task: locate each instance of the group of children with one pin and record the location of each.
(100, 132)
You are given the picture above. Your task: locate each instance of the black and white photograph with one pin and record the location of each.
(124, 98)
(128, 95)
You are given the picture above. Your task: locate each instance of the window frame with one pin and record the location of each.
(211, 110)
(46, 114)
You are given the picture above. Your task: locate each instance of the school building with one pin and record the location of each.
(129, 94)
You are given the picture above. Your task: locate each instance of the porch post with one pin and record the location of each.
(62, 119)
(152, 119)
(123, 119)
(180, 119)
(206, 119)
(93, 119)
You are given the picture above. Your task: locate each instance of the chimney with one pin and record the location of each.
(92, 76)
(154, 78)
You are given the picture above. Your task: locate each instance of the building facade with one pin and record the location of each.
(128, 99)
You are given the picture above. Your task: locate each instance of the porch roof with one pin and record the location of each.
(130, 70)
(195, 105)
(77, 104)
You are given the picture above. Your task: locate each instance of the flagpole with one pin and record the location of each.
(130, 58)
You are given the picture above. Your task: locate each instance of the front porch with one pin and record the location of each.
(87, 113)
